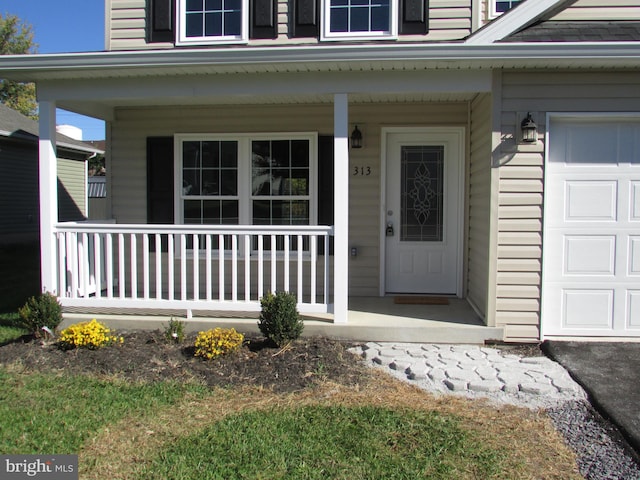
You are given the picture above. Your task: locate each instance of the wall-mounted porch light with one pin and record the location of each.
(356, 138)
(529, 130)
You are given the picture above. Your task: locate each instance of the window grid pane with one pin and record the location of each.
(219, 18)
(359, 16)
(505, 5)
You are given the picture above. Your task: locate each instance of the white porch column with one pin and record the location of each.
(341, 208)
(48, 194)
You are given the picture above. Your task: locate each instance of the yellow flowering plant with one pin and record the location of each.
(217, 341)
(91, 335)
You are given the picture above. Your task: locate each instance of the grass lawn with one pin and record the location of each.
(382, 429)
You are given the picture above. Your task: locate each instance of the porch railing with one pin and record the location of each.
(191, 267)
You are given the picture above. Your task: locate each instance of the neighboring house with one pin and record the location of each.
(97, 197)
(19, 212)
(498, 159)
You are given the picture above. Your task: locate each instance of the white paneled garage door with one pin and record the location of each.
(591, 249)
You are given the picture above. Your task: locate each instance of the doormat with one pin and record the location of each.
(419, 300)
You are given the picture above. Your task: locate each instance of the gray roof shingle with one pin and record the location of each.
(578, 31)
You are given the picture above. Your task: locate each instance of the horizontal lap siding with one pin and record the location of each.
(132, 127)
(72, 190)
(479, 175)
(520, 209)
(126, 25)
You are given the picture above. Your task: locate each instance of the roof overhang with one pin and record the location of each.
(96, 83)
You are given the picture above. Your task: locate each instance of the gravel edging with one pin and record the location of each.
(601, 451)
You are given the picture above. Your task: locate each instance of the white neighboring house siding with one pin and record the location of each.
(126, 19)
(519, 258)
(133, 126)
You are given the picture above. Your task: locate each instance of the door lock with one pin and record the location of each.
(389, 229)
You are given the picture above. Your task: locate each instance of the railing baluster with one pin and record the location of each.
(314, 268)
(62, 264)
(97, 261)
(145, 265)
(171, 280)
(300, 270)
(134, 266)
(109, 266)
(183, 267)
(196, 267)
(260, 267)
(274, 265)
(221, 273)
(287, 239)
(209, 280)
(121, 281)
(158, 255)
(247, 268)
(327, 266)
(234, 268)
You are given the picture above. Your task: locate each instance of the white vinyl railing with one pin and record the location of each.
(191, 267)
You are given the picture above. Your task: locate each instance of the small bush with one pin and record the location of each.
(91, 335)
(41, 311)
(217, 341)
(174, 333)
(279, 320)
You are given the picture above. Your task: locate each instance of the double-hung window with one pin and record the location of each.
(258, 179)
(501, 6)
(359, 19)
(212, 21)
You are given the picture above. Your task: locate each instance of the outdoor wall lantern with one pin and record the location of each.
(356, 138)
(529, 130)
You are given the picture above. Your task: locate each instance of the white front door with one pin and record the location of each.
(591, 257)
(423, 210)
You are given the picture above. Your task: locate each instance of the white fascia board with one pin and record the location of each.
(510, 22)
(148, 64)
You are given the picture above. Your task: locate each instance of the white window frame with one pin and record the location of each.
(494, 11)
(182, 38)
(245, 197)
(327, 35)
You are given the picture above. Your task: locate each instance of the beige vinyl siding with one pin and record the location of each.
(126, 25)
(479, 175)
(601, 10)
(72, 190)
(133, 126)
(18, 192)
(521, 179)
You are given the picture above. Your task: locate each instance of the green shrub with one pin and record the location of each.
(91, 335)
(174, 333)
(279, 320)
(41, 311)
(217, 341)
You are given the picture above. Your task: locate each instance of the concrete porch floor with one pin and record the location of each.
(370, 319)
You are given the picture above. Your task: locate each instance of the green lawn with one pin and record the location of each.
(384, 430)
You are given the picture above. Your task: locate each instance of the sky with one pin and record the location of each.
(64, 26)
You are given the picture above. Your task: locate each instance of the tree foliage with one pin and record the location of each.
(16, 38)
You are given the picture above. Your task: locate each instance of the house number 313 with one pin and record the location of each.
(361, 171)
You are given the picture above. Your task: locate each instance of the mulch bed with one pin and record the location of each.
(147, 356)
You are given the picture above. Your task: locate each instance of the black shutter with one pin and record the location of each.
(325, 185)
(306, 18)
(160, 21)
(264, 19)
(160, 185)
(414, 17)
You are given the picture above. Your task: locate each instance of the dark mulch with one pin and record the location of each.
(147, 356)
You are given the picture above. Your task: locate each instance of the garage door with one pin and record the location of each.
(591, 249)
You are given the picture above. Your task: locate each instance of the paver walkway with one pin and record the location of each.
(476, 371)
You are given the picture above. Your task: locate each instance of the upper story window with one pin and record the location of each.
(498, 7)
(359, 19)
(212, 21)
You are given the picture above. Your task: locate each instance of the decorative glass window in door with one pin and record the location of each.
(421, 203)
